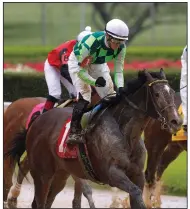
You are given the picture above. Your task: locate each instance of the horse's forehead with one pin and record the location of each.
(167, 88)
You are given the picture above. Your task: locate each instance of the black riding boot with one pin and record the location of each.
(75, 135)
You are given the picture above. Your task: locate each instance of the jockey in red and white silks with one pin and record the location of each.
(56, 70)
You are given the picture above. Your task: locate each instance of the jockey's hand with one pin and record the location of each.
(64, 69)
(120, 91)
(100, 82)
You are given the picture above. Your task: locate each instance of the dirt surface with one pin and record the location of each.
(102, 198)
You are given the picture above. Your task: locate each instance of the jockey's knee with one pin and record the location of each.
(85, 96)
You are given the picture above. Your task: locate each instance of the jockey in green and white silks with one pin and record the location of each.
(88, 66)
(183, 86)
(94, 49)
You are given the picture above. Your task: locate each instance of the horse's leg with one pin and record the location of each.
(87, 192)
(41, 187)
(15, 189)
(153, 158)
(154, 154)
(57, 185)
(139, 156)
(8, 170)
(118, 178)
(82, 186)
(156, 141)
(170, 154)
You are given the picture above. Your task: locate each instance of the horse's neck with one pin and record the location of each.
(132, 122)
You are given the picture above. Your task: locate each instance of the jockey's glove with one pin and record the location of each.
(100, 82)
(64, 69)
(120, 90)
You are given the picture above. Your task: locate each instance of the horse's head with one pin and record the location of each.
(159, 99)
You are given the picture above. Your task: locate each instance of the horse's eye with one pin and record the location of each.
(156, 94)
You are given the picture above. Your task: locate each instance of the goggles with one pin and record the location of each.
(116, 41)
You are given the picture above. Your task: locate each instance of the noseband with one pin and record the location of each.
(164, 124)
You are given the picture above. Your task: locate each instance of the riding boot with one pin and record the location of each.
(49, 103)
(75, 135)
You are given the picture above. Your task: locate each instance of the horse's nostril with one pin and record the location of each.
(174, 122)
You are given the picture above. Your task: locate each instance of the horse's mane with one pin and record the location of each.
(134, 84)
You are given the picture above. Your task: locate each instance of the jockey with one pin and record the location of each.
(183, 87)
(56, 70)
(88, 66)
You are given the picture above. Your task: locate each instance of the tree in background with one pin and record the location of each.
(138, 16)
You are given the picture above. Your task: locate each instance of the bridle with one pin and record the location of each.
(164, 124)
(162, 119)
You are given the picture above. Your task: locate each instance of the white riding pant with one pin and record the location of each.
(95, 71)
(53, 78)
(183, 85)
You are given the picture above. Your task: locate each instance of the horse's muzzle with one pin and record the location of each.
(174, 125)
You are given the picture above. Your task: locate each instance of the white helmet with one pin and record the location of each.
(117, 29)
(84, 33)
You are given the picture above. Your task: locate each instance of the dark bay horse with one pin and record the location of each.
(15, 118)
(115, 148)
(161, 152)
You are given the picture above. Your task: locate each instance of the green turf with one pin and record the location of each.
(175, 176)
(23, 25)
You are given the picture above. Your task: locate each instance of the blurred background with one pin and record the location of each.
(151, 24)
(158, 34)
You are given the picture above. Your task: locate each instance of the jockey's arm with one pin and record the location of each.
(84, 60)
(118, 68)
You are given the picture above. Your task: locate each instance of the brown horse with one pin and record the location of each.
(115, 148)
(15, 118)
(161, 152)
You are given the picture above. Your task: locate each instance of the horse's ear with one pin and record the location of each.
(163, 75)
(141, 73)
(148, 75)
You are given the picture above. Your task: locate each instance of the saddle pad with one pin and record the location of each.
(62, 149)
(180, 135)
(38, 107)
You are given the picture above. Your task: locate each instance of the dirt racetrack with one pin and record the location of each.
(102, 198)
